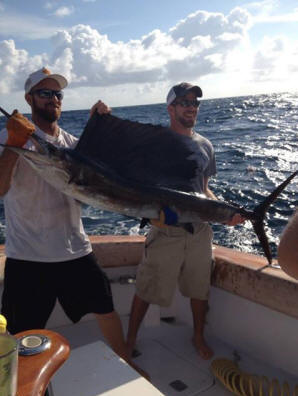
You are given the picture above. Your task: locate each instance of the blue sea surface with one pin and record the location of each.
(256, 145)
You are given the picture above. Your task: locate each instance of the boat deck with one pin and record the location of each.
(166, 353)
(253, 317)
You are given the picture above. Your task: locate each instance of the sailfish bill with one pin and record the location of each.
(136, 170)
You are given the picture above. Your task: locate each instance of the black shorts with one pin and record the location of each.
(31, 289)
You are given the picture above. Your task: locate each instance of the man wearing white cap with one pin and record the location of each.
(175, 254)
(49, 255)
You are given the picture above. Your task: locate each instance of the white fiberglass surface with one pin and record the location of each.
(167, 354)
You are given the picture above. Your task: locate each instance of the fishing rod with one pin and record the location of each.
(5, 112)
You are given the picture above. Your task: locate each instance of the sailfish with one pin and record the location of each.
(138, 169)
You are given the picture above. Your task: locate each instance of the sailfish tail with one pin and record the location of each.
(259, 216)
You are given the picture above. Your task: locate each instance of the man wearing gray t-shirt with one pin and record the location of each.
(174, 254)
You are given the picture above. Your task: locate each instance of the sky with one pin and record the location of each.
(132, 52)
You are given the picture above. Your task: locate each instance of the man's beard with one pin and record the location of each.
(48, 114)
(187, 123)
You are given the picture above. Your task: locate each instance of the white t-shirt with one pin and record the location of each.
(42, 224)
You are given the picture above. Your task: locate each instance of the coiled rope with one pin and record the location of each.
(244, 384)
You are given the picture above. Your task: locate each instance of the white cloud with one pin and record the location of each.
(2, 7)
(30, 27)
(267, 11)
(196, 46)
(215, 34)
(15, 64)
(264, 7)
(49, 5)
(62, 12)
(204, 48)
(282, 18)
(203, 23)
(275, 59)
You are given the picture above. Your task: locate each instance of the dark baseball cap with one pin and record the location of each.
(183, 89)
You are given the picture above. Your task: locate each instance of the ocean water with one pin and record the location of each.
(256, 145)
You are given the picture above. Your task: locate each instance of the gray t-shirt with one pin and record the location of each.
(205, 158)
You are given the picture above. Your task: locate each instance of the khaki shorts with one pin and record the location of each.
(173, 255)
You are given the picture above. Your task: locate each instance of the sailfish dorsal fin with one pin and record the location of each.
(145, 153)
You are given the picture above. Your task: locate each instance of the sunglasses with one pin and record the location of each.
(48, 93)
(187, 103)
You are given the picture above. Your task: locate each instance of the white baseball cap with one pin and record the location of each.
(42, 74)
(181, 90)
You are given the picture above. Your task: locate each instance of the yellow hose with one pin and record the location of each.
(243, 384)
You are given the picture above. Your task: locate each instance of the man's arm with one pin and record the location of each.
(288, 247)
(19, 129)
(8, 160)
(207, 191)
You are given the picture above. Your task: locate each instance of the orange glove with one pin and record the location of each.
(19, 129)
